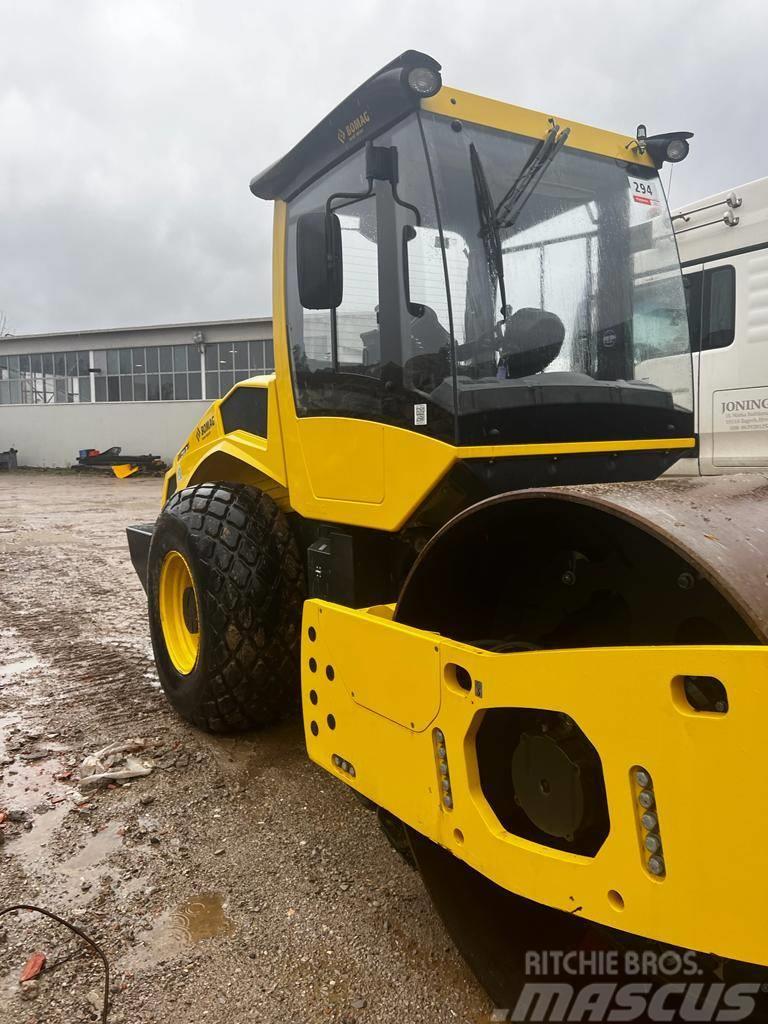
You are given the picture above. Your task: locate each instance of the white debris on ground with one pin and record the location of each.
(115, 764)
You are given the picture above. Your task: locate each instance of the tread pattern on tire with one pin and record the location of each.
(251, 605)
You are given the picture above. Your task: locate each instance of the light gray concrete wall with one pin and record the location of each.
(52, 435)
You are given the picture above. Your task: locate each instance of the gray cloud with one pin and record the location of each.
(129, 129)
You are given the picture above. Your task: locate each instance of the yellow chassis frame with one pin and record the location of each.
(387, 688)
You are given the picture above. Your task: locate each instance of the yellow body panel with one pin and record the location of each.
(346, 471)
(507, 117)
(211, 455)
(707, 768)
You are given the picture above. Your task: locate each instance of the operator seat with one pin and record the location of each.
(532, 339)
(431, 345)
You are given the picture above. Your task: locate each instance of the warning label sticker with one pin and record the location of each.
(646, 193)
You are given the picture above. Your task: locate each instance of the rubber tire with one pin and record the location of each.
(250, 585)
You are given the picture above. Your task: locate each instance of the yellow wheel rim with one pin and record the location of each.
(179, 615)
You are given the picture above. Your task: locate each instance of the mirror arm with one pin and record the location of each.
(407, 206)
(351, 197)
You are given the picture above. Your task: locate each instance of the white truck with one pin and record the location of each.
(723, 245)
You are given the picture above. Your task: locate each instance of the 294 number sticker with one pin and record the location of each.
(644, 192)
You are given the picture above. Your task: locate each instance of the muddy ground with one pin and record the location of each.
(237, 882)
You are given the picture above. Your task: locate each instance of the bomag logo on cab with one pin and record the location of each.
(205, 428)
(354, 128)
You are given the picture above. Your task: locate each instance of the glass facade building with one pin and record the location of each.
(148, 373)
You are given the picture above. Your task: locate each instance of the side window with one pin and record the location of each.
(719, 308)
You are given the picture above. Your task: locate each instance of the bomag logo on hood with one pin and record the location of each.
(354, 128)
(205, 428)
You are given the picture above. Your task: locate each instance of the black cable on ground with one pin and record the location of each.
(81, 934)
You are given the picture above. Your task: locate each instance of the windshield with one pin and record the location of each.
(495, 297)
(589, 288)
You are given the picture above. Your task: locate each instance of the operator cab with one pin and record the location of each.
(482, 283)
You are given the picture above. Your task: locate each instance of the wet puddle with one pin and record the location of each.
(17, 668)
(202, 917)
(32, 788)
(28, 784)
(89, 864)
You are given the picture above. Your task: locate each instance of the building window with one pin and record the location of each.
(227, 363)
(154, 373)
(44, 378)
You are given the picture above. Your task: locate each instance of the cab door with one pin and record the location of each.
(733, 366)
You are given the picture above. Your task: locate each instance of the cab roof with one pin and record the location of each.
(384, 99)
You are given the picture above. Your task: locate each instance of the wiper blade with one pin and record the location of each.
(496, 218)
(489, 226)
(525, 184)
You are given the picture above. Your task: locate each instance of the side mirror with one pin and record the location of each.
(318, 260)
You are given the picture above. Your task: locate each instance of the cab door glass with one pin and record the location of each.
(428, 253)
(432, 314)
(340, 338)
(357, 316)
(384, 353)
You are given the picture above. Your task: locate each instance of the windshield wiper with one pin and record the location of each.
(525, 184)
(489, 227)
(495, 218)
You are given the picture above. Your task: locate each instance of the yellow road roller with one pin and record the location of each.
(436, 525)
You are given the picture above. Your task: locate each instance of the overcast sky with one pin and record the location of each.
(129, 129)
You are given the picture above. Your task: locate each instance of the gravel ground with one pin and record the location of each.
(236, 882)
